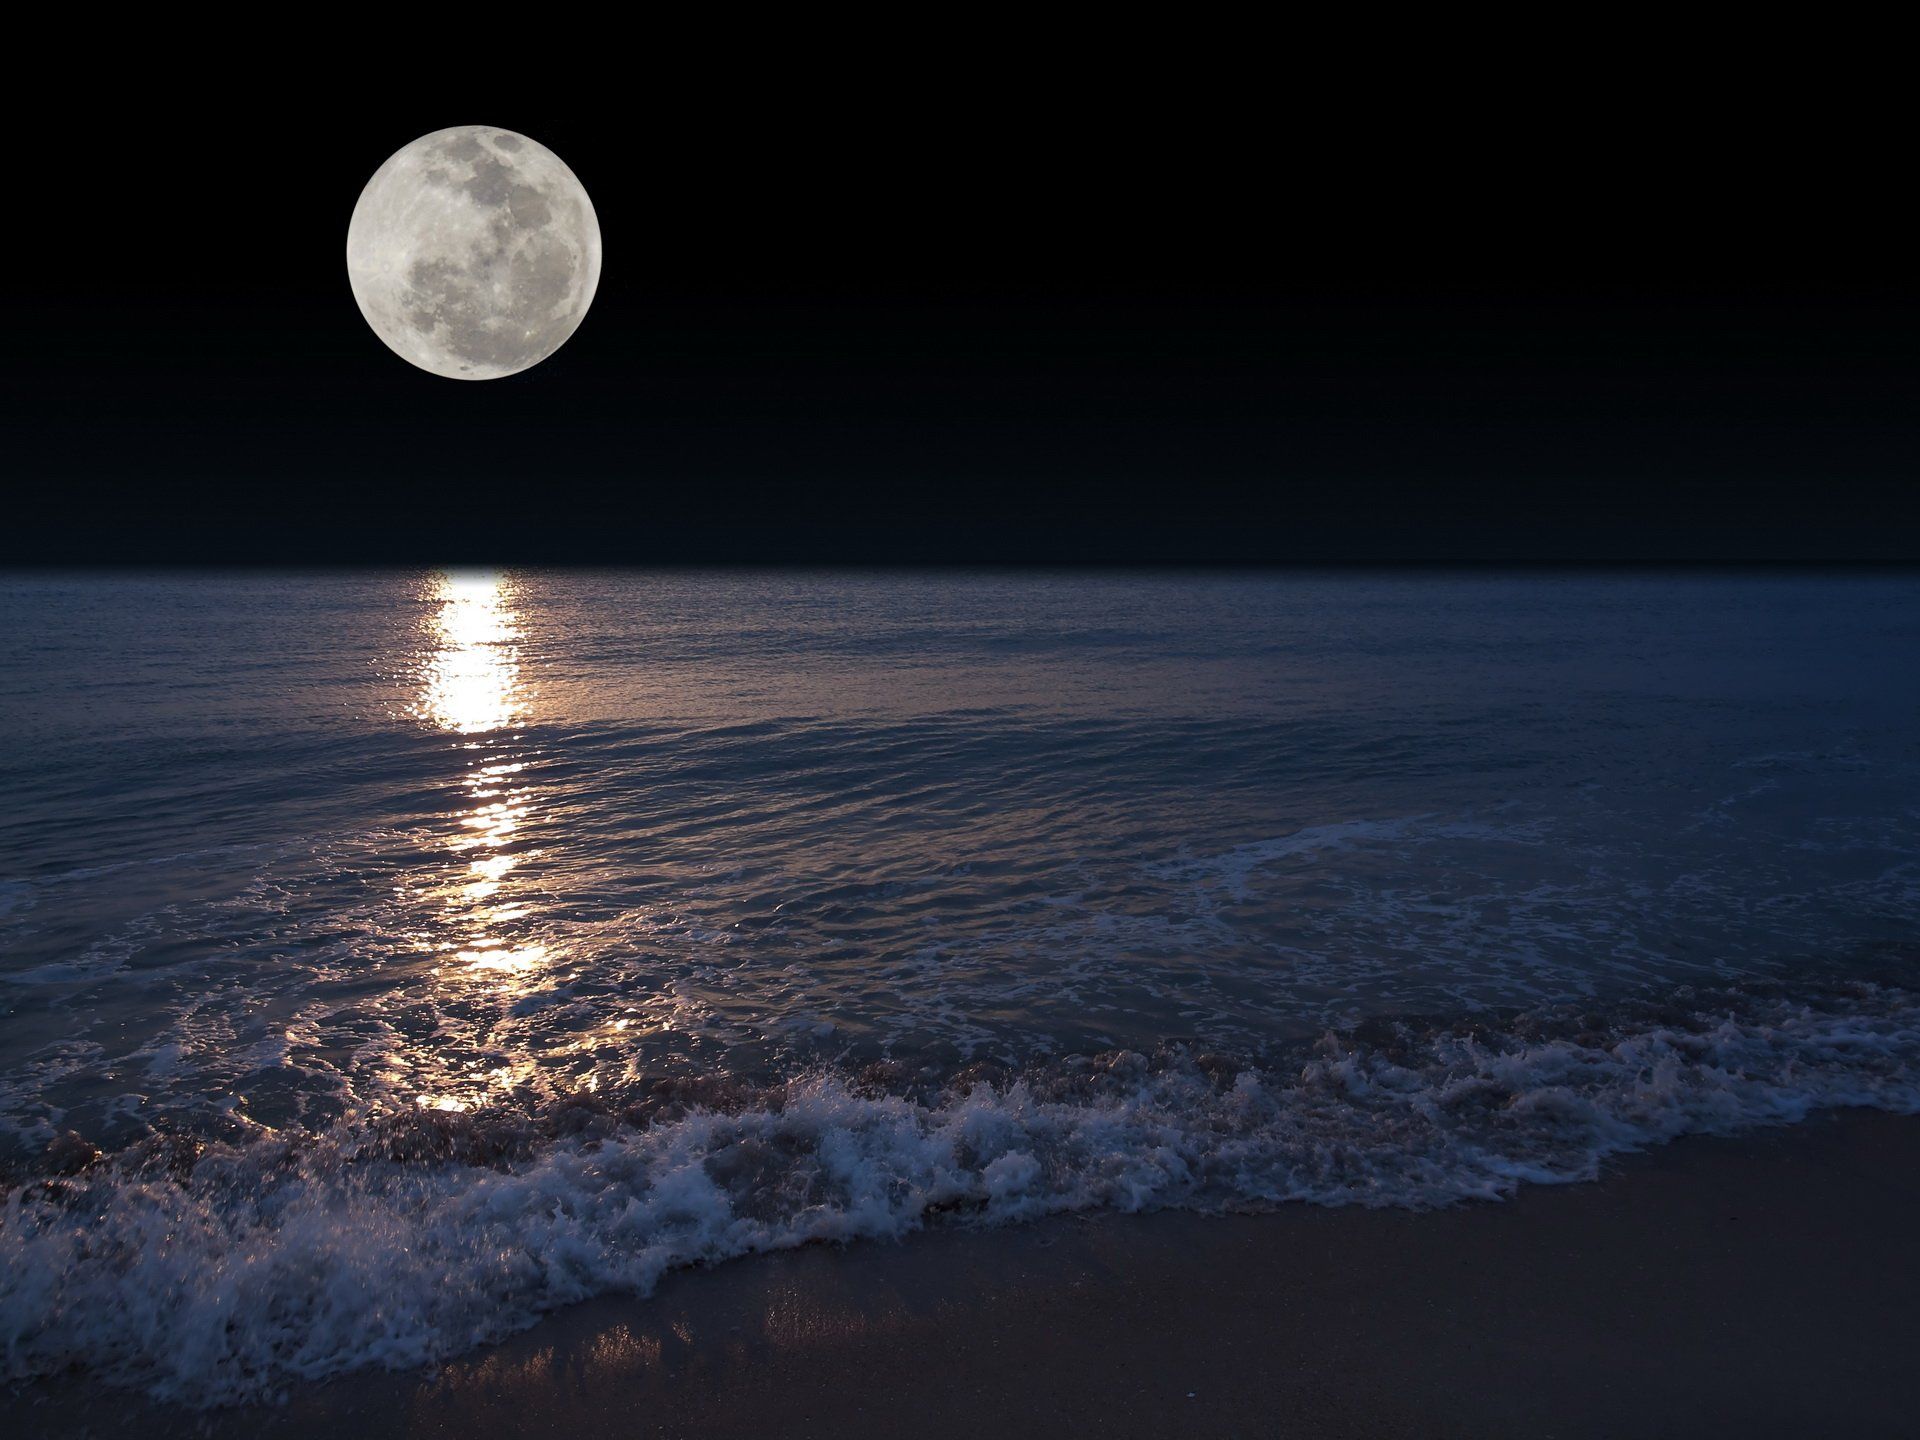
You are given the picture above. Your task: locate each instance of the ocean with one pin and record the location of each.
(388, 958)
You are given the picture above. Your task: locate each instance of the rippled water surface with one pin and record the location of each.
(818, 891)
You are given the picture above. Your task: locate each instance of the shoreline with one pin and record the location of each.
(1755, 1285)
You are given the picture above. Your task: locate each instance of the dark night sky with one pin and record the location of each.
(1300, 309)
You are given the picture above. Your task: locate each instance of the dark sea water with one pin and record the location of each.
(421, 952)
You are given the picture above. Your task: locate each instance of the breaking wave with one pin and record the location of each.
(216, 1272)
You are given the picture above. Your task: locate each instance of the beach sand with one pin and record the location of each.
(1766, 1285)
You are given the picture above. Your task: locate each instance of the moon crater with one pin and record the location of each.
(474, 252)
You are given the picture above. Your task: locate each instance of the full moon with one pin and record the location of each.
(474, 252)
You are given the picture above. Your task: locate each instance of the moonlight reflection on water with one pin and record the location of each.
(472, 688)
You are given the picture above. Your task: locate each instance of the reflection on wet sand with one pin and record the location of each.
(806, 1311)
(472, 688)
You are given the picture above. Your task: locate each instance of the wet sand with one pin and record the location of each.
(1763, 1286)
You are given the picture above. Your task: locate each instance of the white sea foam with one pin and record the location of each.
(392, 1241)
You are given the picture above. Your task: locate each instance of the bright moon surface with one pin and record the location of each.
(474, 252)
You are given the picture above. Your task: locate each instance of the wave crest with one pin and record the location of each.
(213, 1273)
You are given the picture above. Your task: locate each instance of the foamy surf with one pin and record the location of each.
(210, 1274)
